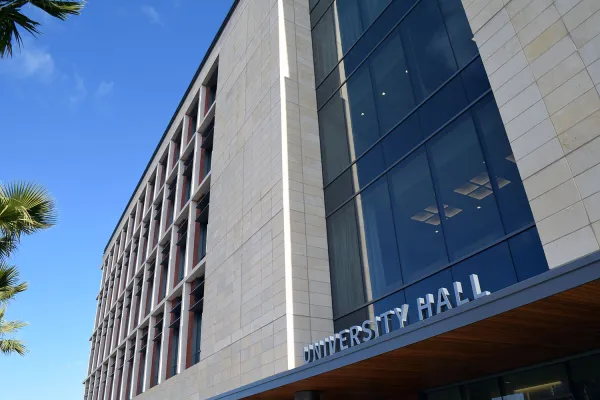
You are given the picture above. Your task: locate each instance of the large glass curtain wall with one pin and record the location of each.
(421, 187)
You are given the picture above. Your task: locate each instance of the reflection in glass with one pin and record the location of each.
(335, 151)
(538, 384)
(383, 267)
(344, 258)
(585, 373)
(493, 266)
(445, 394)
(484, 390)
(414, 208)
(471, 219)
(429, 285)
(528, 254)
(427, 48)
(514, 205)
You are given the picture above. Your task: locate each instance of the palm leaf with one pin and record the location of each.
(9, 346)
(59, 9)
(10, 17)
(9, 283)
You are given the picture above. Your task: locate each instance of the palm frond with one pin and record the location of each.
(9, 346)
(36, 202)
(10, 17)
(6, 328)
(10, 285)
(59, 9)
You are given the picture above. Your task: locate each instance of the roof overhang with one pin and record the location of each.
(549, 316)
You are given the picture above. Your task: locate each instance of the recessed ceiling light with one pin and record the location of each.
(478, 207)
(362, 113)
(406, 71)
(436, 231)
(383, 93)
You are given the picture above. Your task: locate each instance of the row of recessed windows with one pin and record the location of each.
(127, 253)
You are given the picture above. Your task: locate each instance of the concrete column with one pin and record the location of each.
(542, 59)
(164, 345)
(183, 328)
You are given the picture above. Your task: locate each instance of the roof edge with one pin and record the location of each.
(187, 92)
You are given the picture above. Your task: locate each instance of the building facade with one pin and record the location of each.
(371, 199)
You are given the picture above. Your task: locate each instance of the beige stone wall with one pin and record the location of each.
(267, 290)
(543, 61)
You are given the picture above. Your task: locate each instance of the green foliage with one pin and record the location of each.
(11, 17)
(24, 209)
(9, 288)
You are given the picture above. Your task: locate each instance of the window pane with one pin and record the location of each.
(585, 373)
(494, 268)
(420, 238)
(471, 218)
(375, 34)
(528, 254)
(325, 52)
(383, 267)
(340, 190)
(512, 199)
(475, 79)
(484, 390)
(442, 107)
(424, 287)
(370, 165)
(401, 140)
(363, 115)
(427, 48)
(459, 30)
(392, 87)
(344, 258)
(334, 138)
(539, 384)
(355, 16)
(389, 303)
(445, 394)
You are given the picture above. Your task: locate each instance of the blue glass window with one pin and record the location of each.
(421, 289)
(470, 217)
(493, 266)
(380, 239)
(415, 212)
(528, 254)
(514, 205)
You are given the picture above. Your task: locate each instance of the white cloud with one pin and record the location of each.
(105, 88)
(29, 62)
(79, 92)
(152, 15)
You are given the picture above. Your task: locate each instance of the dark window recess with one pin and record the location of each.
(202, 212)
(175, 145)
(171, 203)
(149, 288)
(193, 122)
(207, 147)
(174, 328)
(144, 242)
(142, 361)
(197, 305)
(138, 302)
(181, 252)
(187, 179)
(157, 209)
(164, 267)
(157, 340)
(129, 379)
(211, 90)
(162, 172)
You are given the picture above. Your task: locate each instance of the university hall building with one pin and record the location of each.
(368, 199)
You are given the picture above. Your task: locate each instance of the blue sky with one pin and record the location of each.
(73, 103)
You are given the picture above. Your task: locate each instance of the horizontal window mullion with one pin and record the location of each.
(349, 75)
(440, 269)
(411, 151)
(406, 117)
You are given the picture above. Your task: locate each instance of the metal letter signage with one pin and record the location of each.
(382, 323)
